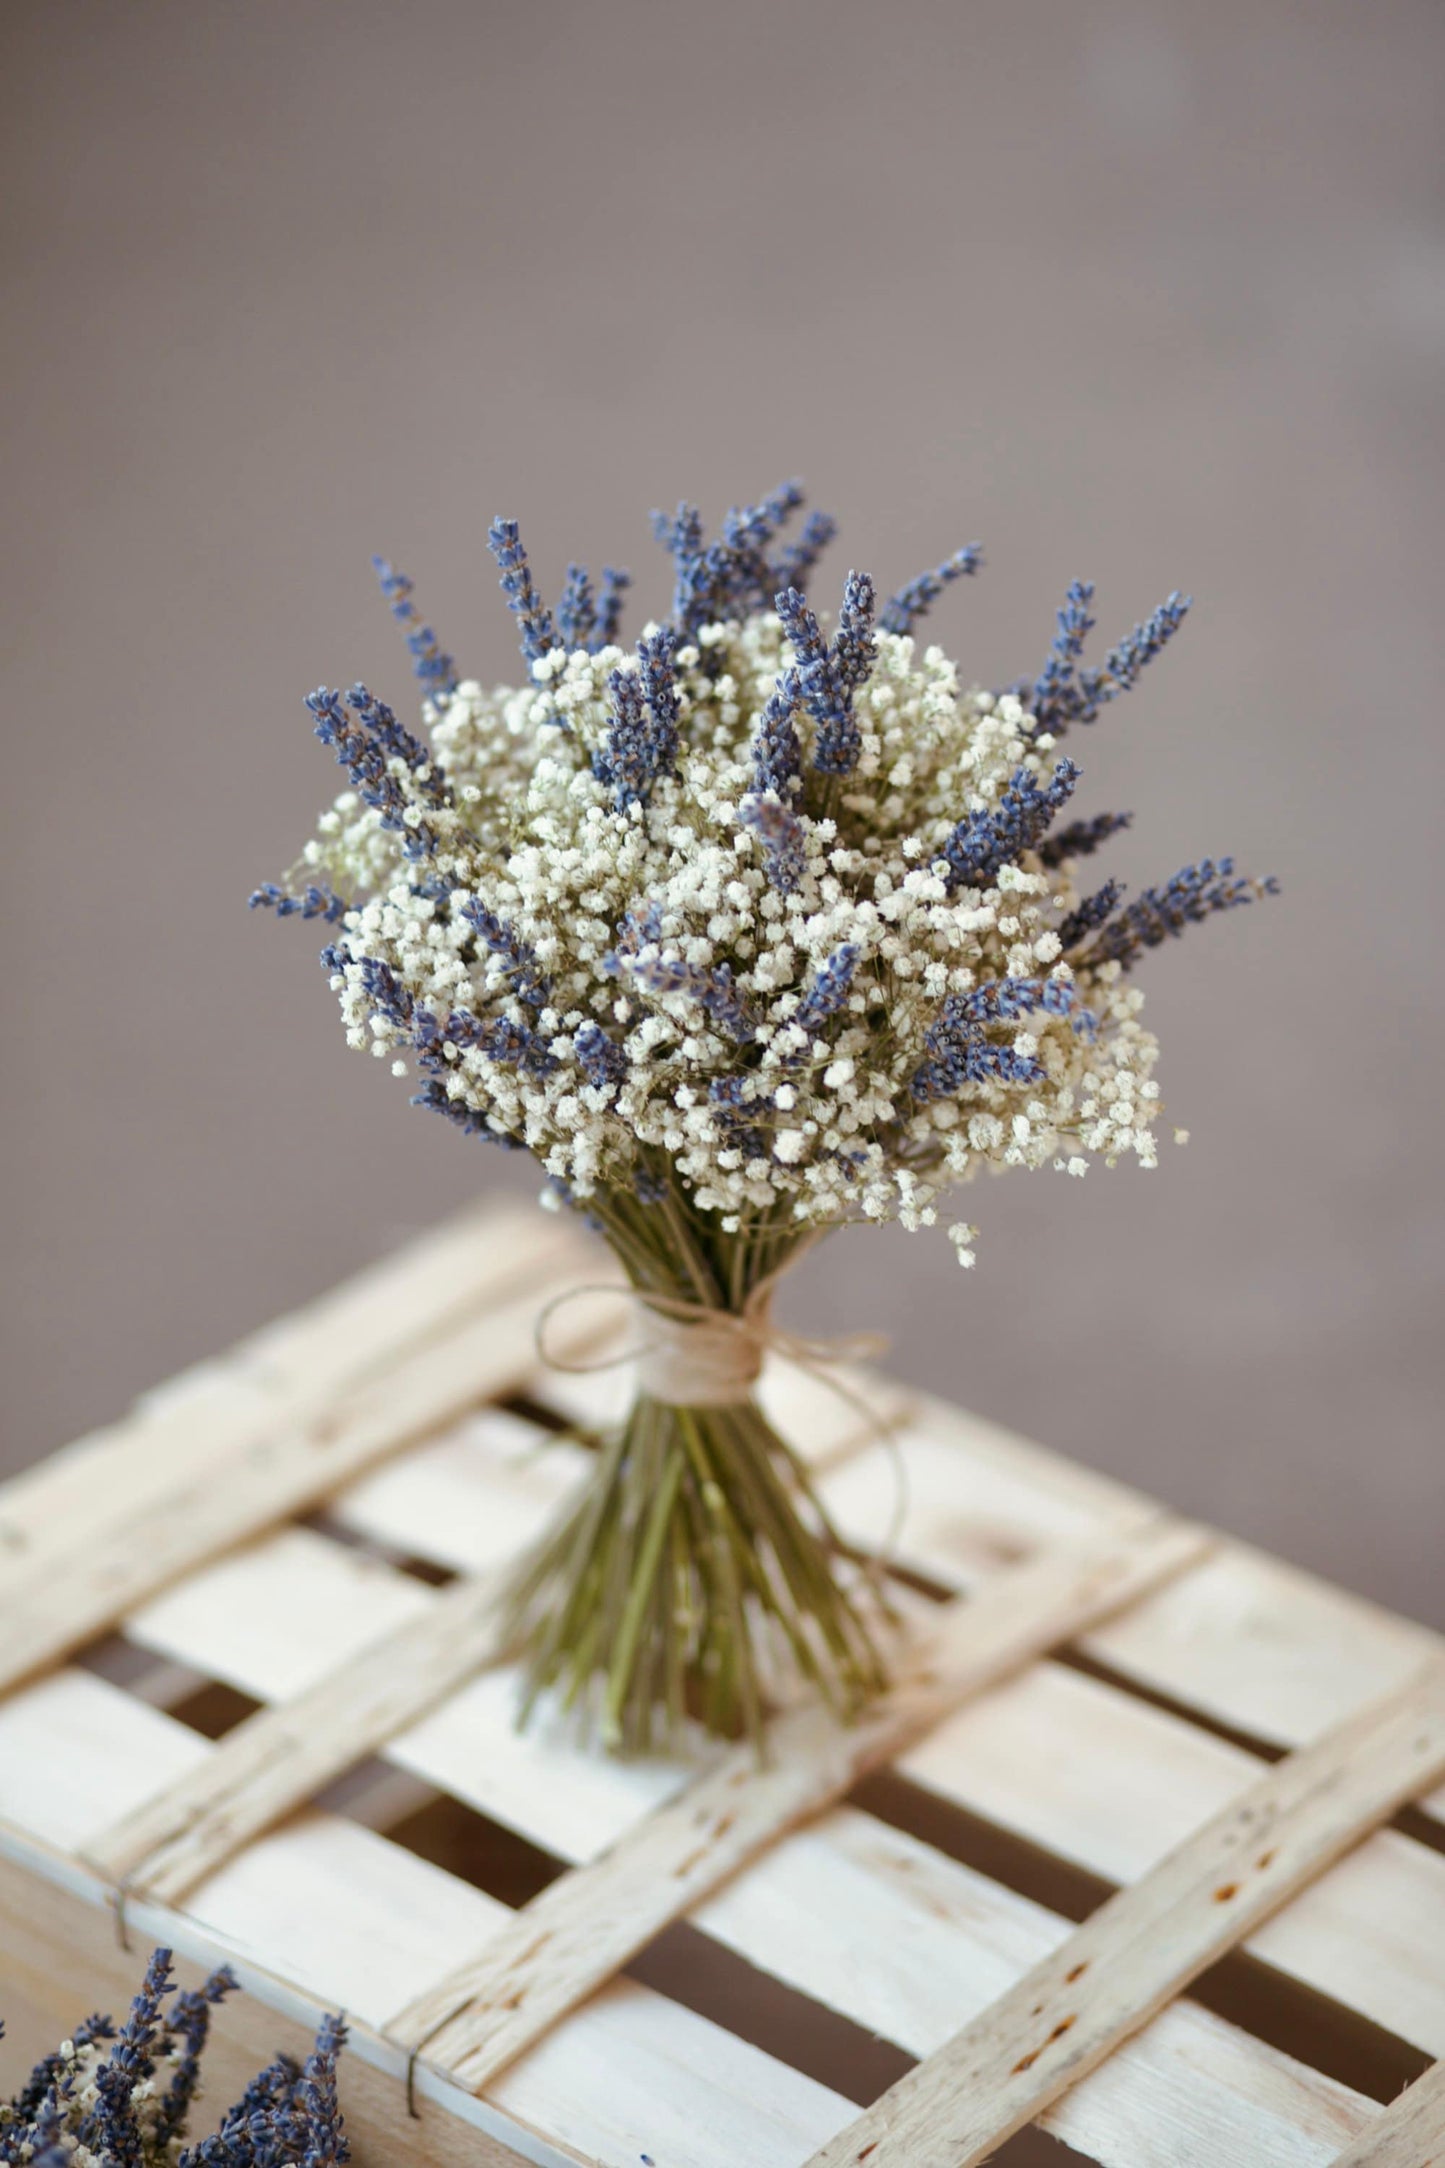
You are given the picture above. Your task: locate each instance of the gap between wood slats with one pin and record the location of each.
(283, 1754)
(1147, 1943)
(577, 1935)
(691, 1967)
(1410, 2135)
(285, 1462)
(1286, 2013)
(309, 1891)
(193, 1635)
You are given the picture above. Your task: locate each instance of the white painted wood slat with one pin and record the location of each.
(1087, 1772)
(1147, 1943)
(582, 1930)
(1410, 2134)
(142, 1547)
(327, 1914)
(1246, 1640)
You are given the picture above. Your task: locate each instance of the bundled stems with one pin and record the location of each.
(698, 1573)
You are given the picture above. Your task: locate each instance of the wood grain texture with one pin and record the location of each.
(1089, 1773)
(363, 1402)
(63, 1955)
(417, 1294)
(1147, 1943)
(277, 1759)
(1103, 1780)
(861, 1917)
(909, 1944)
(1411, 2132)
(1247, 1640)
(325, 1914)
(582, 1930)
(281, 1466)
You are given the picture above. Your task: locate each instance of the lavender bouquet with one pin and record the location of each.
(746, 932)
(122, 2098)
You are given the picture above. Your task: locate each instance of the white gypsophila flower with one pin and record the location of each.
(619, 985)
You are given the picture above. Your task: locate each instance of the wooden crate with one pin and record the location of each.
(250, 1709)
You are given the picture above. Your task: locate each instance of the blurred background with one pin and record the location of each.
(1145, 292)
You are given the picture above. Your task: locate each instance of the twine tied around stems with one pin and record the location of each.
(701, 1356)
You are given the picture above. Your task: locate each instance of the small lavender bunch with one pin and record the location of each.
(760, 927)
(121, 2097)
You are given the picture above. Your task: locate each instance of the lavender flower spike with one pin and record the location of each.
(985, 841)
(1194, 894)
(777, 754)
(436, 670)
(1064, 692)
(793, 565)
(1081, 838)
(828, 677)
(902, 611)
(577, 611)
(534, 620)
(781, 833)
(642, 741)
(614, 585)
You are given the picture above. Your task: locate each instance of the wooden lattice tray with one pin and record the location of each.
(251, 1708)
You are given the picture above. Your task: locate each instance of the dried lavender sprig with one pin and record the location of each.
(534, 620)
(434, 1097)
(603, 1060)
(112, 2129)
(1054, 697)
(1194, 894)
(984, 841)
(501, 1039)
(782, 835)
(189, 2021)
(729, 578)
(829, 988)
(1064, 692)
(642, 740)
(577, 611)
(435, 668)
(317, 900)
(529, 981)
(613, 586)
(828, 675)
(1090, 913)
(792, 566)
(777, 750)
(365, 742)
(959, 1051)
(639, 954)
(1081, 838)
(902, 611)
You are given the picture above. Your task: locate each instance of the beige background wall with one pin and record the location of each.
(1151, 292)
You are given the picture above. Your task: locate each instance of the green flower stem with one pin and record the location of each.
(692, 1576)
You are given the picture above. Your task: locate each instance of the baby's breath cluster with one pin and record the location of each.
(780, 916)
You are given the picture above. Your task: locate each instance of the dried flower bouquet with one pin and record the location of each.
(123, 2097)
(745, 933)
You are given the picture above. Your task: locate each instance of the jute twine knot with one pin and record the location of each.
(699, 1356)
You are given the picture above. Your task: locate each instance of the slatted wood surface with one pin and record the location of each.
(1092, 1696)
